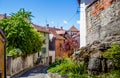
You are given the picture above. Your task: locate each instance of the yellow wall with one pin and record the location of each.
(1, 56)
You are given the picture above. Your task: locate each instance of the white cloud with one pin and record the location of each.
(65, 22)
(78, 22)
(52, 22)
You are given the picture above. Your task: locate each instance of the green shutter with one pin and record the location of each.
(43, 49)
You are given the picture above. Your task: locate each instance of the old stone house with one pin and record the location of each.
(44, 54)
(73, 31)
(76, 39)
(103, 19)
(102, 29)
(62, 42)
(75, 35)
(56, 43)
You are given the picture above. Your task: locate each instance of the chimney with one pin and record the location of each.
(61, 27)
(47, 25)
(5, 15)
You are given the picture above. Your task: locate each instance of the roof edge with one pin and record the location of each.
(2, 34)
(91, 4)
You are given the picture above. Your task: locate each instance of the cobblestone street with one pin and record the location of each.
(38, 72)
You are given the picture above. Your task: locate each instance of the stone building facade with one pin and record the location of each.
(103, 19)
(44, 53)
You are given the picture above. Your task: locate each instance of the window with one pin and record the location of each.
(44, 34)
(44, 49)
(60, 46)
(0, 74)
(44, 41)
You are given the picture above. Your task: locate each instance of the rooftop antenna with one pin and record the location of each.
(57, 25)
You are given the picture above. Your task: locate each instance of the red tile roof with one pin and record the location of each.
(53, 31)
(40, 28)
(60, 31)
(78, 34)
(2, 16)
(73, 29)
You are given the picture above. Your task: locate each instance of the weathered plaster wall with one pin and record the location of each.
(45, 55)
(103, 19)
(16, 65)
(1, 57)
(52, 53)
(59, 47)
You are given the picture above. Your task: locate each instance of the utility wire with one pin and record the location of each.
(71, 17)
(77, 12)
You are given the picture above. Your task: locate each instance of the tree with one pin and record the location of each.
(20, 34)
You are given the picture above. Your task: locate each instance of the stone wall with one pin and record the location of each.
(16, 65)
(103, 19)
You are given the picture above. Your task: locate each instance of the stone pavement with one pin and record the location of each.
(37, 76)
(38, 72)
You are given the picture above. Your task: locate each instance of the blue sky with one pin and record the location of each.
(55, 12)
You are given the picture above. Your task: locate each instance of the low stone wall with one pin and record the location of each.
(16, 65)
(92, 55)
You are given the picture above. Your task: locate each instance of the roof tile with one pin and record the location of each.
(40, 28)
(73, 29)
(53, 31)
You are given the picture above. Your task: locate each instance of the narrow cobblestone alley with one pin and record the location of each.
(38, 72)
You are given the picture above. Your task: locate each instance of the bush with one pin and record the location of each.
(15, 52)
(77, 76)
(114, 54)
(57, 62)
(20, 34)
(67, 67)
(112, 74)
